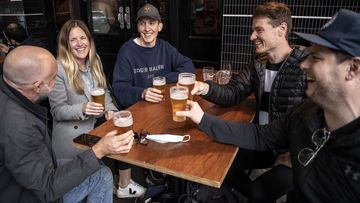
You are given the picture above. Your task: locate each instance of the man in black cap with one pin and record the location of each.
(322, 132)
(144, 57)
(140, 60)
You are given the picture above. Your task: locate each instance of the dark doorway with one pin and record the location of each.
(201, 31)
(194, 27)
(113, 22)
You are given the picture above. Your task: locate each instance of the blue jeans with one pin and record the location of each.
(97, 188)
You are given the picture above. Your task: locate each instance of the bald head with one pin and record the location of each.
(27, 64)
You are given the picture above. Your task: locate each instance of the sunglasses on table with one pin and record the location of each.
(140, 138)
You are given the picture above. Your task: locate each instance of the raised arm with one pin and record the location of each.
(237, 90)
(244, 135)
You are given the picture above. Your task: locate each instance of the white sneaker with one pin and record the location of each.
(131, 191)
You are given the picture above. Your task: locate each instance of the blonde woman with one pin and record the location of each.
(79, 71)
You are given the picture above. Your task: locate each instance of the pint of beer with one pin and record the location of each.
(123, 121)
(98, 96)
(159, 83)
(178, 96)
(187, 80)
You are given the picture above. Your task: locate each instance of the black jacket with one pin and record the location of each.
(287, 89)
(28, 169)
(332, 176)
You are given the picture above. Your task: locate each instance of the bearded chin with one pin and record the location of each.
(326, 99)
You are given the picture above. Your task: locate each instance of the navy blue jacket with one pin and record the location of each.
(136, 66)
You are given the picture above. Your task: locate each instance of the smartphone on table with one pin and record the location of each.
(87, 139)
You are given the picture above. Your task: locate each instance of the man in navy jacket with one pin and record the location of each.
(144, 57)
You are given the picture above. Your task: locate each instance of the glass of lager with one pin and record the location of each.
(159, 83)
(187, 80)
(123, 121)
(178, 96)
(224, 74)
(223, 77)
(98, 96)
(208, 73)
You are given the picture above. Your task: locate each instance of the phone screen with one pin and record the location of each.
(87, 139)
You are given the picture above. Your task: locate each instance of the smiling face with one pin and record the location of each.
(326, 76)
(265, 37)
(148, 29)
(79, 45)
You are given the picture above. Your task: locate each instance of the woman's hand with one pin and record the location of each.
(93, 109)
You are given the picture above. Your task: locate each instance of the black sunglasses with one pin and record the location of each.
(140, 138)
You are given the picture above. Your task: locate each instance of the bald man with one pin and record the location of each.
(29, 171)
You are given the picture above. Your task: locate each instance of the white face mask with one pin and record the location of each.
(164, 138)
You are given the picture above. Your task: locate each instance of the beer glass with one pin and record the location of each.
(223, 77)
(178, 96)
(98, 96)
(159, 83)
(224, 74)
(187, 80)
(208, 73)
(123, 121)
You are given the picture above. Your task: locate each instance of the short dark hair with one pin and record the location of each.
(16, 32)
(341, 56)
(277, 12)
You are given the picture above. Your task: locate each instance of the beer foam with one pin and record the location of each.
(123, 122)
(97, 92)
(159, 82)
(180, 96)
(187, 81)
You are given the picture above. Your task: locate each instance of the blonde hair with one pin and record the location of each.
(69, 63)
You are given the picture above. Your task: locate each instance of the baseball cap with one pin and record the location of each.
(150, 11)
(341, 32)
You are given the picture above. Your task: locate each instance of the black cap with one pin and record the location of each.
(150, 11)
(341, 32)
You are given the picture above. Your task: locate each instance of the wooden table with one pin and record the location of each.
(200, 160)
